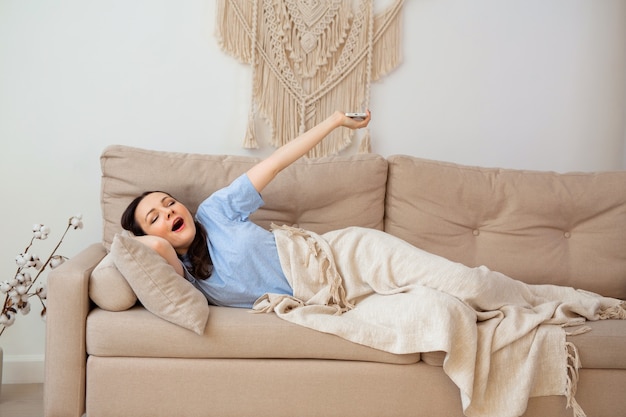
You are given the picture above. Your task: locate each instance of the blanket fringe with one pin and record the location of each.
(327, 270)
(573, 366)
(577, 332)
(615, 312)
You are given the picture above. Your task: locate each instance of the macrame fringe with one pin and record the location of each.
(365, 144)
(250, 141)
(387, 36)
(237, 43)
(573, 366)
(304, 70)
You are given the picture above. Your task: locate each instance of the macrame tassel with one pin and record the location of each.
(366, 142)
(387, 36)
(365, 146)
(232, 14)
(250, 141)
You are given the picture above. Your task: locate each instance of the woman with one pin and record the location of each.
(222, 246)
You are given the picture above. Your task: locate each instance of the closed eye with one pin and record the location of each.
(166, 201)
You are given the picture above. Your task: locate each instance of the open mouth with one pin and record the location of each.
(178, 224)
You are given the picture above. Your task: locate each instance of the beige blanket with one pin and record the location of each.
(504, 340)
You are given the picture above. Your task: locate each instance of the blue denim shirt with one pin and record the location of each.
(244, 255)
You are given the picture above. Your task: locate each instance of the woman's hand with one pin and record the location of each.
(264, 172)
(352, 123)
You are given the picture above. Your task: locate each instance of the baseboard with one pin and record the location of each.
(23, 369)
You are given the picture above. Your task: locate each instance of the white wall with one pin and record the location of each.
(530, 84)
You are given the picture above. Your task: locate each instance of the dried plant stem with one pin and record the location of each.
(49, 258)
(7, 300)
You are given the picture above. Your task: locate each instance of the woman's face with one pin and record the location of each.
(159, 214)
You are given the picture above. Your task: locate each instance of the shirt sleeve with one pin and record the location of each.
(235, 202)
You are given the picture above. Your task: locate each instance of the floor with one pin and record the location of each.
(21, 400)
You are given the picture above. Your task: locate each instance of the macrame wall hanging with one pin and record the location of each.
(310, 58)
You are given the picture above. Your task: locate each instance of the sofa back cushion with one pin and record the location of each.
(539, 227)
(317, 194)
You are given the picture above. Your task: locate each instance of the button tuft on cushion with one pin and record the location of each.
(567, 235)
(476, 232)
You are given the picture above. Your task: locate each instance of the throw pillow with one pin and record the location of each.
(108, 288)
(158, 287)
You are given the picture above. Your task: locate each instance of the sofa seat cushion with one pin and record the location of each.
(601, 348)
(230, 333)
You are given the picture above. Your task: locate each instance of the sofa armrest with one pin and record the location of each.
(67, 308)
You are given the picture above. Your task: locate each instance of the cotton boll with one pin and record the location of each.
(5, 287)
(25, 260)
(76, 221)
(56, 261)
(28, 279)
(20, 260)
(40, 231)
(42, 292)
(25, 308)
(36, 262)
(11, 318)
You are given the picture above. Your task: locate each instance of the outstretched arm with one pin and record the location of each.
(264, 172)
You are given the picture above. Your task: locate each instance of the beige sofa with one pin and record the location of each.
(539, 227)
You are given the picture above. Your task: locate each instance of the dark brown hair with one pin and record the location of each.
(198, 250)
